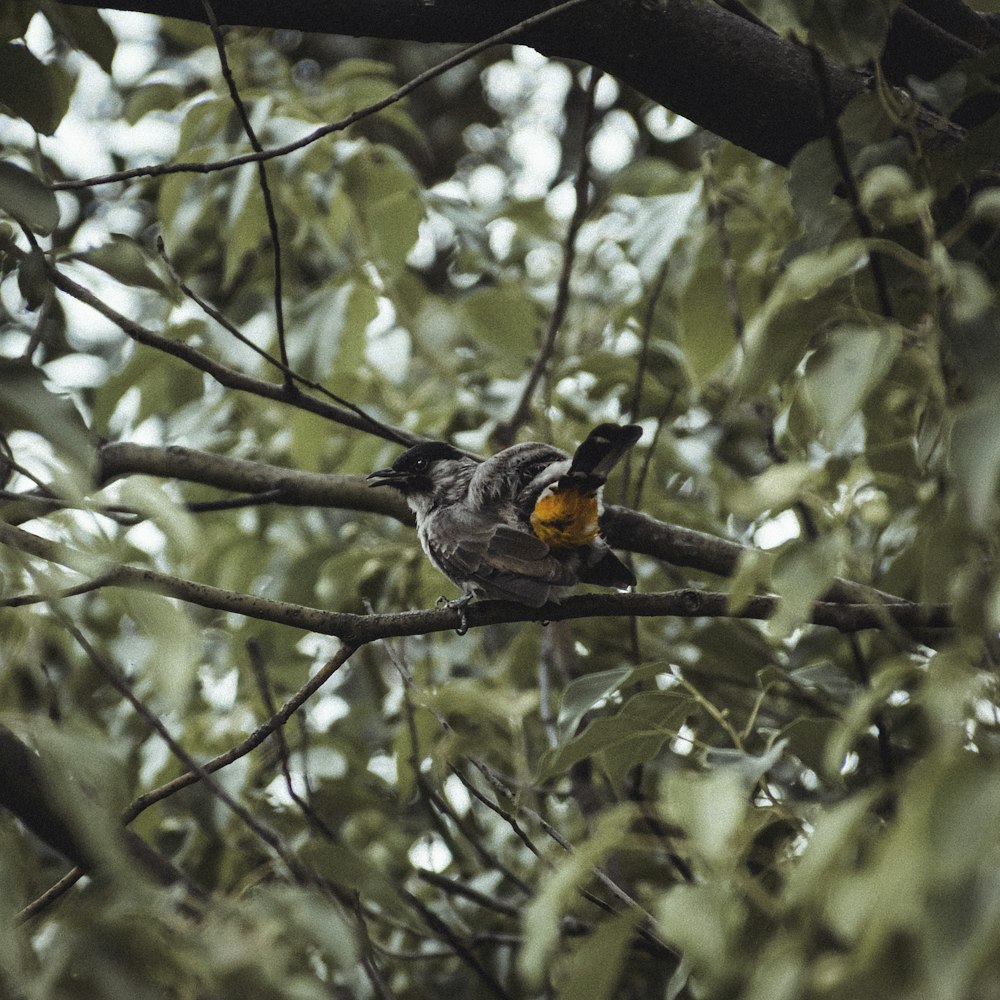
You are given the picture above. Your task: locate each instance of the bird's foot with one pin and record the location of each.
(459, 604)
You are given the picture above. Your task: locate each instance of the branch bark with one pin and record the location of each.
(357, 630)
(723, 71)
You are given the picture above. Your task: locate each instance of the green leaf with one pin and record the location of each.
(334, 332)
(777, 335)
(802, 572)
(657, 225)
(162, 389)
(851, 31)
(25, 198)
(86, 30)
(583, 693)
(845, 371)
(543, 914)
(388, 200)
(774, 490)
(752, 576)
(635, 733)
(975, 461)
(705, 331)
(27, 404)
(152, 97)
(470, 698)
(985, 206)
(507, 320)
(705, 922)
(596, 966)
(35, 91)
(127, 261)
(888, 193)
(784, 17)
(33, 279)
(393, 225)
(172, 652)
(709, 808)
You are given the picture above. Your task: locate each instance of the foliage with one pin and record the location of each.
(604, 807)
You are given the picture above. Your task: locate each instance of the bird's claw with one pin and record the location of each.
(459, 604)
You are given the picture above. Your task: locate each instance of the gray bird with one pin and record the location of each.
(522, 525)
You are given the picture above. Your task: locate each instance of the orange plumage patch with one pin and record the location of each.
(565, 518)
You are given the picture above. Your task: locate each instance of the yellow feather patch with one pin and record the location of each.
(564, 519)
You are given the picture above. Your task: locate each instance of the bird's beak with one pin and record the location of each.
(385, 477)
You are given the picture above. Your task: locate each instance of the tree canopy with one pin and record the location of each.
(249, 252)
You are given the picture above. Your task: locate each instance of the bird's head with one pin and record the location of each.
(426, 470)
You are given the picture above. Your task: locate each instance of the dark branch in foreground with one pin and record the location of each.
(708, 63)
(24, 790)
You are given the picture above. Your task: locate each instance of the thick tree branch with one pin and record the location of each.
(25, 791)
(723, 71)
(243, 476)
(623, 528)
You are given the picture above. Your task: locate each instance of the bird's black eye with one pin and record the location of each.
(420, 465)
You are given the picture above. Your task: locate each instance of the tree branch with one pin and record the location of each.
(505, 432)
(224, 375)
(240, 475)
(723, 71)
(265, 187)
(357, 630)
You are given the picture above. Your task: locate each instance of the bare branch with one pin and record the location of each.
(265, 188)
(504, 434)
(734, 77)
(312, 489)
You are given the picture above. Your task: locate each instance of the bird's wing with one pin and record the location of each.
(497, 559)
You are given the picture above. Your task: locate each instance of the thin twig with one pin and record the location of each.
(122, 686)
(882, 732)
(159, 169)
(505, 432)
(291, 376)
(452, 888)
(372, 971)
(843, 162)
(229, 377)
(459, 947)
(256, 658)
(265, 189)
(25, 600)
(50, 895)
(501, 786)
(254, 740)
(717, 213)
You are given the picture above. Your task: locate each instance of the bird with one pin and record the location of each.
(522, 525)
